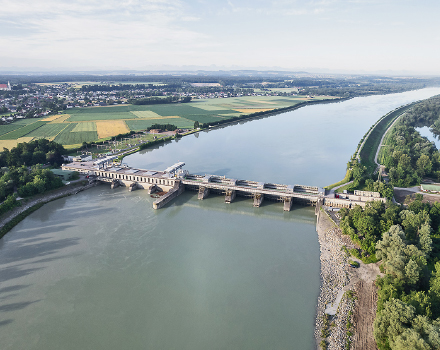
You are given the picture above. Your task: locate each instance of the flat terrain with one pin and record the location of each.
(89, 124)
(364, 314)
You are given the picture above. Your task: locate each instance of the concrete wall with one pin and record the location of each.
(367, 194)
(177, 189)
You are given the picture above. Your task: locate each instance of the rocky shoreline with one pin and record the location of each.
(335, 282)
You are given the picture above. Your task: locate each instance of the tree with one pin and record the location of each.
(425, 241)
(403, 261)
(392, 321)
(424, 165)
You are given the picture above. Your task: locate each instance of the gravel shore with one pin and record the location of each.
(335, 281)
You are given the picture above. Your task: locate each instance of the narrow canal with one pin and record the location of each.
(102, 270)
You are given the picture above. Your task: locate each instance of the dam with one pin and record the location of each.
(174, 180)
(171, 182)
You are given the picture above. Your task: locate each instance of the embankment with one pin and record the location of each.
(337, 278)
(13, 217)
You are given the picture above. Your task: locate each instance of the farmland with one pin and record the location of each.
(89, 124)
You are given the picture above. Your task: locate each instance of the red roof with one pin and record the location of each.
(3, 86)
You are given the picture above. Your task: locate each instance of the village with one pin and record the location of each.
(20, 101)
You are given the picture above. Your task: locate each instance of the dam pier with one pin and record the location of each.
(174, 180)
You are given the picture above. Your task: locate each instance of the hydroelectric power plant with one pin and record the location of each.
(174, 180)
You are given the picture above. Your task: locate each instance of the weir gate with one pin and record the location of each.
(174, 180)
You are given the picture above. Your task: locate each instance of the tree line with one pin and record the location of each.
(159, 100)
(407, 241)
(35, 152)
(20, 173)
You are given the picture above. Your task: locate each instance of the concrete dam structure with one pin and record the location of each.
(174, 181)
(171, 182)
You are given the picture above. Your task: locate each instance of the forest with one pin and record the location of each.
(21, 174)
(407, 241)
(407, 156)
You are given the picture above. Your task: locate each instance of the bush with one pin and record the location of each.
(355, 253)
(354, 263)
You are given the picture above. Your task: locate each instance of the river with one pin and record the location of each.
(103, 270)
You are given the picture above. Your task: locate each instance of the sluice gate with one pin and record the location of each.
(174, 180)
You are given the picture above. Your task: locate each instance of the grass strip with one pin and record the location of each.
(343, 181)
(368, 150)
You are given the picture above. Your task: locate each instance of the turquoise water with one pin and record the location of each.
(103, 270)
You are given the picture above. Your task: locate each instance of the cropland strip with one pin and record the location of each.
(85, 126)
(52, 118)
(61, 119)
(84, 117)
(27, 121)
(111, 128)
(12, 143)
(23, 131)
(47, 130)
(4, 129)
(66, 137)
(146, 114)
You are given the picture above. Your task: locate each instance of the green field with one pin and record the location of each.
(85, 126)
(47, 130)
(98, 116)
(67, 137)
(79, 124)
(23, 131)
(26, 121)
(7, 128)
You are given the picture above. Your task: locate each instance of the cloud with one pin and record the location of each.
(106, 31)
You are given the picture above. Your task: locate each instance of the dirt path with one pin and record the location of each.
(364, 314)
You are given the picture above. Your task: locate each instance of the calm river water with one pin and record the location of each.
(103, 270)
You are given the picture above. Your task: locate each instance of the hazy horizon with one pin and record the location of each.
(388, 37)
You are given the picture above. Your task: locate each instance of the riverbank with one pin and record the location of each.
(13, 217)
(335, 300)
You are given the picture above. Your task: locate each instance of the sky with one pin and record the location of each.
(356, 36)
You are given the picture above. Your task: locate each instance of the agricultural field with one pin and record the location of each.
(89, 124)
(107, 128)
(7, 128)
(47, 130)
(69, 137)
(23, 131)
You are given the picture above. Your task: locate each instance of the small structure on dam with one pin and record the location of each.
(174, 180)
